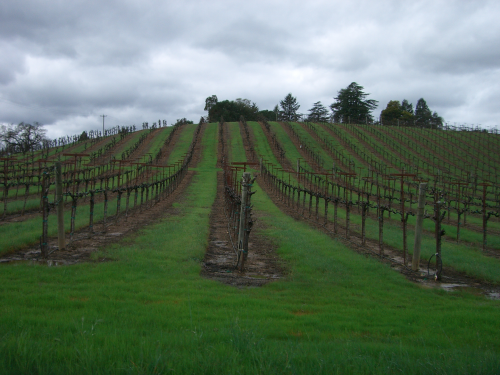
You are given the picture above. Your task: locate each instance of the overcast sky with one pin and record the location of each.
(65, 63)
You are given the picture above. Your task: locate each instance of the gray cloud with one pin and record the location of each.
(65, 63)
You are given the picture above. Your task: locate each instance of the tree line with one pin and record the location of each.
(351, 105)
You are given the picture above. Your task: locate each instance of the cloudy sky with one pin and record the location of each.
(65, 63)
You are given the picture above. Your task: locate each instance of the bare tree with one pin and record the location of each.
(22, 137)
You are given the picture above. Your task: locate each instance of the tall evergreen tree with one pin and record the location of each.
(423, 114)
(425, 117)
(289, 107)
(352, 106)
(318, 113)
(407, 107)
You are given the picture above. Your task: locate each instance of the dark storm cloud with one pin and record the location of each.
(65, 63)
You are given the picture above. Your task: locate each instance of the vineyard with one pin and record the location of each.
(321, 247)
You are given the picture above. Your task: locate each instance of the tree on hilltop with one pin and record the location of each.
(289, 107)
(318, 113)
(352, 106)
(407, 107)
(395, 112)
(22, 137)
(231, 110)
(209, 103)
(425, 117)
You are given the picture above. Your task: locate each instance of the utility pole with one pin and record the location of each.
(103, 123)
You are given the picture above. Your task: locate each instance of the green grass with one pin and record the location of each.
(130, 142)
(308, 139)
(18, 235)
(150, 312)
(182, 145)
(462, 257)
(291, 152)
(17, 206)
(159, 140)
(262, 147)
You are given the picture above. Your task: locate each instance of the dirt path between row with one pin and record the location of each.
(262, 265)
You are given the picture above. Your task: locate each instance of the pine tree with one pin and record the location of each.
(407, 107)
(423, 114)
(425, 117)
(318, 113)
(289, 107)
(352, 106)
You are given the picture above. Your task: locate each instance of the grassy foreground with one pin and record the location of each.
(149, 312)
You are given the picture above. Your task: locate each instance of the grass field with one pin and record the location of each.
(148, 310)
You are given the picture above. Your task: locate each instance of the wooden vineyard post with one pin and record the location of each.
(245, 220)
(60, 207)
(438, 218)
(74, 202)
(335, 208)
(381, 230)
(326, 211)
(317, 207)
(105, 210)
(415, 264)
(304, 203)
(485, 215)
(26, 193)
(347, 219)
(118, 204)
(91, 217)
(404, 218)
(6, 185)
(310, 203)
(459, 211)
(364, 210)
(129, 190)
(44, 246)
